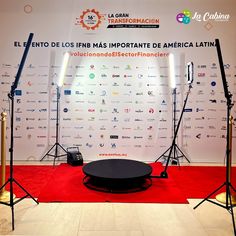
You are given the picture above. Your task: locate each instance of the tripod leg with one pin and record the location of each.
(205, 199)
(48, 152)
(176, 155)
(4, 184)
(25, 191)
(62, 147)
(56, 152)
(11, 204)
(183, 154)
(12, 217)
(232, 213)
(231, 210)
(233, 188)
(162, 155)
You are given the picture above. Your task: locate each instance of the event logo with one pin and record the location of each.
(184, 17)
(90, 19)
(124, 20)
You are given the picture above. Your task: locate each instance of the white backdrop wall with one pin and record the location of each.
(116, 99)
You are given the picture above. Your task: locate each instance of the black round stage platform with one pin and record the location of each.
(117, 175)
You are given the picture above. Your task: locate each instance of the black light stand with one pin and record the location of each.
(175, 153)
(57, 144)
(11, 179)
(164, 173)
(227, 184)
(173, 145)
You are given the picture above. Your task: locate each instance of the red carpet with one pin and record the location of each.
(31, 178)
(200, 181)
(64, 183)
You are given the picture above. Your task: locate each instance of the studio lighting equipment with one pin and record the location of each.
(57, 146)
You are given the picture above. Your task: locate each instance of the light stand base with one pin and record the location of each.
(56, 155)
(174, 156)
(228, 205)
(11, 203)
(222, 198)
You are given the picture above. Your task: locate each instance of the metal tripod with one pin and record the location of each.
(174, 151)
(11, 178)
(56, 145)
(228, 203)
(226, 198)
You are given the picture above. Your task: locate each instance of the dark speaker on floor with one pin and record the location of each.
(74, 156)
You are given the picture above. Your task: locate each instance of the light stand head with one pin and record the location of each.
(172, 71)
(190, 73)
(63, 69)
(15, 83)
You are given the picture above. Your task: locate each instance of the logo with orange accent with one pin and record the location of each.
(90, 19)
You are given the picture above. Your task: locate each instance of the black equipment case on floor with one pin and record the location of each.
(74, 156)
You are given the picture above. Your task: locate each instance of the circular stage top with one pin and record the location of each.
(117, 169)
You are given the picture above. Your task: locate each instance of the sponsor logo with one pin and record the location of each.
(18, 110)
(40, 145)
(66, 119)
(41, 136)
(150, 93)
(89, 145)
(188, 110)
(139, 111)
(30, 119)
(18, 92)
(42, 119)
(201, 74)
(201, 66)
(115, 76)
(67, 92)
(115, 110)
(151, 110)
(138, 128)
(199, 109)
(213, 83)
(213, 100)
(227, 66)
(125, 137)
(30, 127)
(91, 75)
(43, 110)
(79, 93)
(211, 136)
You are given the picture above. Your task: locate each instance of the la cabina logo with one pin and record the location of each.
(186, 16)
(90, 19)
